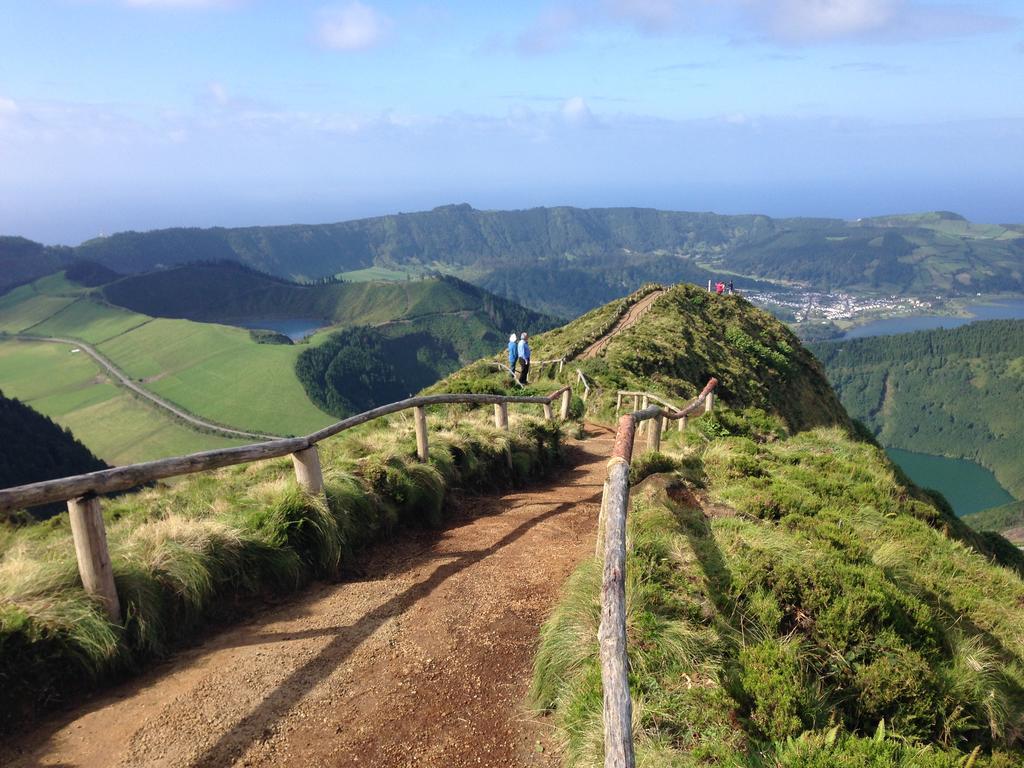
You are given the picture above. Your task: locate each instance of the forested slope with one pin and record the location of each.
(34, 448)
(953, 392)
(566, 260)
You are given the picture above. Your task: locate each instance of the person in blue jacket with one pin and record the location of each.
(513, 353)
(524, 358)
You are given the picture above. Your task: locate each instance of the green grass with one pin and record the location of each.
(190, 554)
(89, 321)
(836, 616)
(27, 309)
(113, 424)
(219, 373)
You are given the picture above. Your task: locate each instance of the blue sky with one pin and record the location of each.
(134, 114)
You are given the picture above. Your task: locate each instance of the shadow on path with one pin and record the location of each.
(347, 638)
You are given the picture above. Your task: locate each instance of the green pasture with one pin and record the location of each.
(89, 321)
(70, 388)
(219, 373)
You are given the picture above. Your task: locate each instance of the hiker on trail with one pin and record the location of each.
(730, 287)
(523, 352)
(719, 287)
(513, 353)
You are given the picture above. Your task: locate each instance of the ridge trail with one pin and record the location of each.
(628, 320)
(425, 660)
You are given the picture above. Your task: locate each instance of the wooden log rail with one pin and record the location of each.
(81, 492)
(618, 706)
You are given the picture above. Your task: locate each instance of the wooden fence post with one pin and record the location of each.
(501, 415)
(611, 635)
(90, 537)
(599, 546)
(683, 423)
(307, 470)
(422, 443)
(618, 403)
(636, 402)
(654, 435)
(548, 413)
(709, 402)
(563, 414)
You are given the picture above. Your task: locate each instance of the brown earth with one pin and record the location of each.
(423, 661)
(628, 320)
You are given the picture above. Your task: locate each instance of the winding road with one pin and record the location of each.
(159, 402)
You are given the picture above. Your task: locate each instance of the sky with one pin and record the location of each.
(138, 114)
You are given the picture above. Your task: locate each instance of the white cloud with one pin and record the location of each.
(823, 19)
(352, 27)
(576, 111)
(789, 22)
(218, 93)
(8, 106)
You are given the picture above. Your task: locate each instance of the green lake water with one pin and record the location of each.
(967, 486)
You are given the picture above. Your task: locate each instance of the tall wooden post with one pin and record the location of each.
(654, 434)
(611, 635)
(90, 537)
(599, 546)
(618, 403)
(501, 415)
(683, 423)
(636, 402)
(422, 443)
(563, 414)
(307, 470)
(709, 402)
(548, 413)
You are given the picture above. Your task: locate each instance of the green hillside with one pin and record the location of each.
(947, 392)
(792, 600)
(34, 448)
(1007, 519)
(567, 260)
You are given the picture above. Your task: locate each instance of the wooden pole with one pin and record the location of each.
(683, 423)
(422, 443)
(566, 399)
(90, 537)
(654, 434)
(307, 470)
(618, 708)
(618, 403)
(560, 364)
(636, 402)
(548, 414)
(601, 515)
(501, 415)
(709, 402)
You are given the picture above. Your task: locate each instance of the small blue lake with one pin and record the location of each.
(295, 329)
(967, 486)
(1003, 310)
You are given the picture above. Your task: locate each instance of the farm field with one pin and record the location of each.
(219, 373)
(116, 426)
(215, 372)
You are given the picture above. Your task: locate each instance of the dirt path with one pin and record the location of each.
(124, 380)
(628, 320)
(425, 661)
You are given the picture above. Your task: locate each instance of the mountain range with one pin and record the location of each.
(566, 260)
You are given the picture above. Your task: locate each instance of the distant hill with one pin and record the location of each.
(1007, 519)
(566, 260)
(34, 448)
(947, 392)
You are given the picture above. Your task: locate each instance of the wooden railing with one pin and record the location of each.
(81, 492)
(586, 384)
(618, 707)
(641, 400)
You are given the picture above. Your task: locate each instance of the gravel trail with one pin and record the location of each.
(423, 661)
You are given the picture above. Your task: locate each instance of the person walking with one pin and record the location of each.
(513, 353)
(719, 287)
(523, 352)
